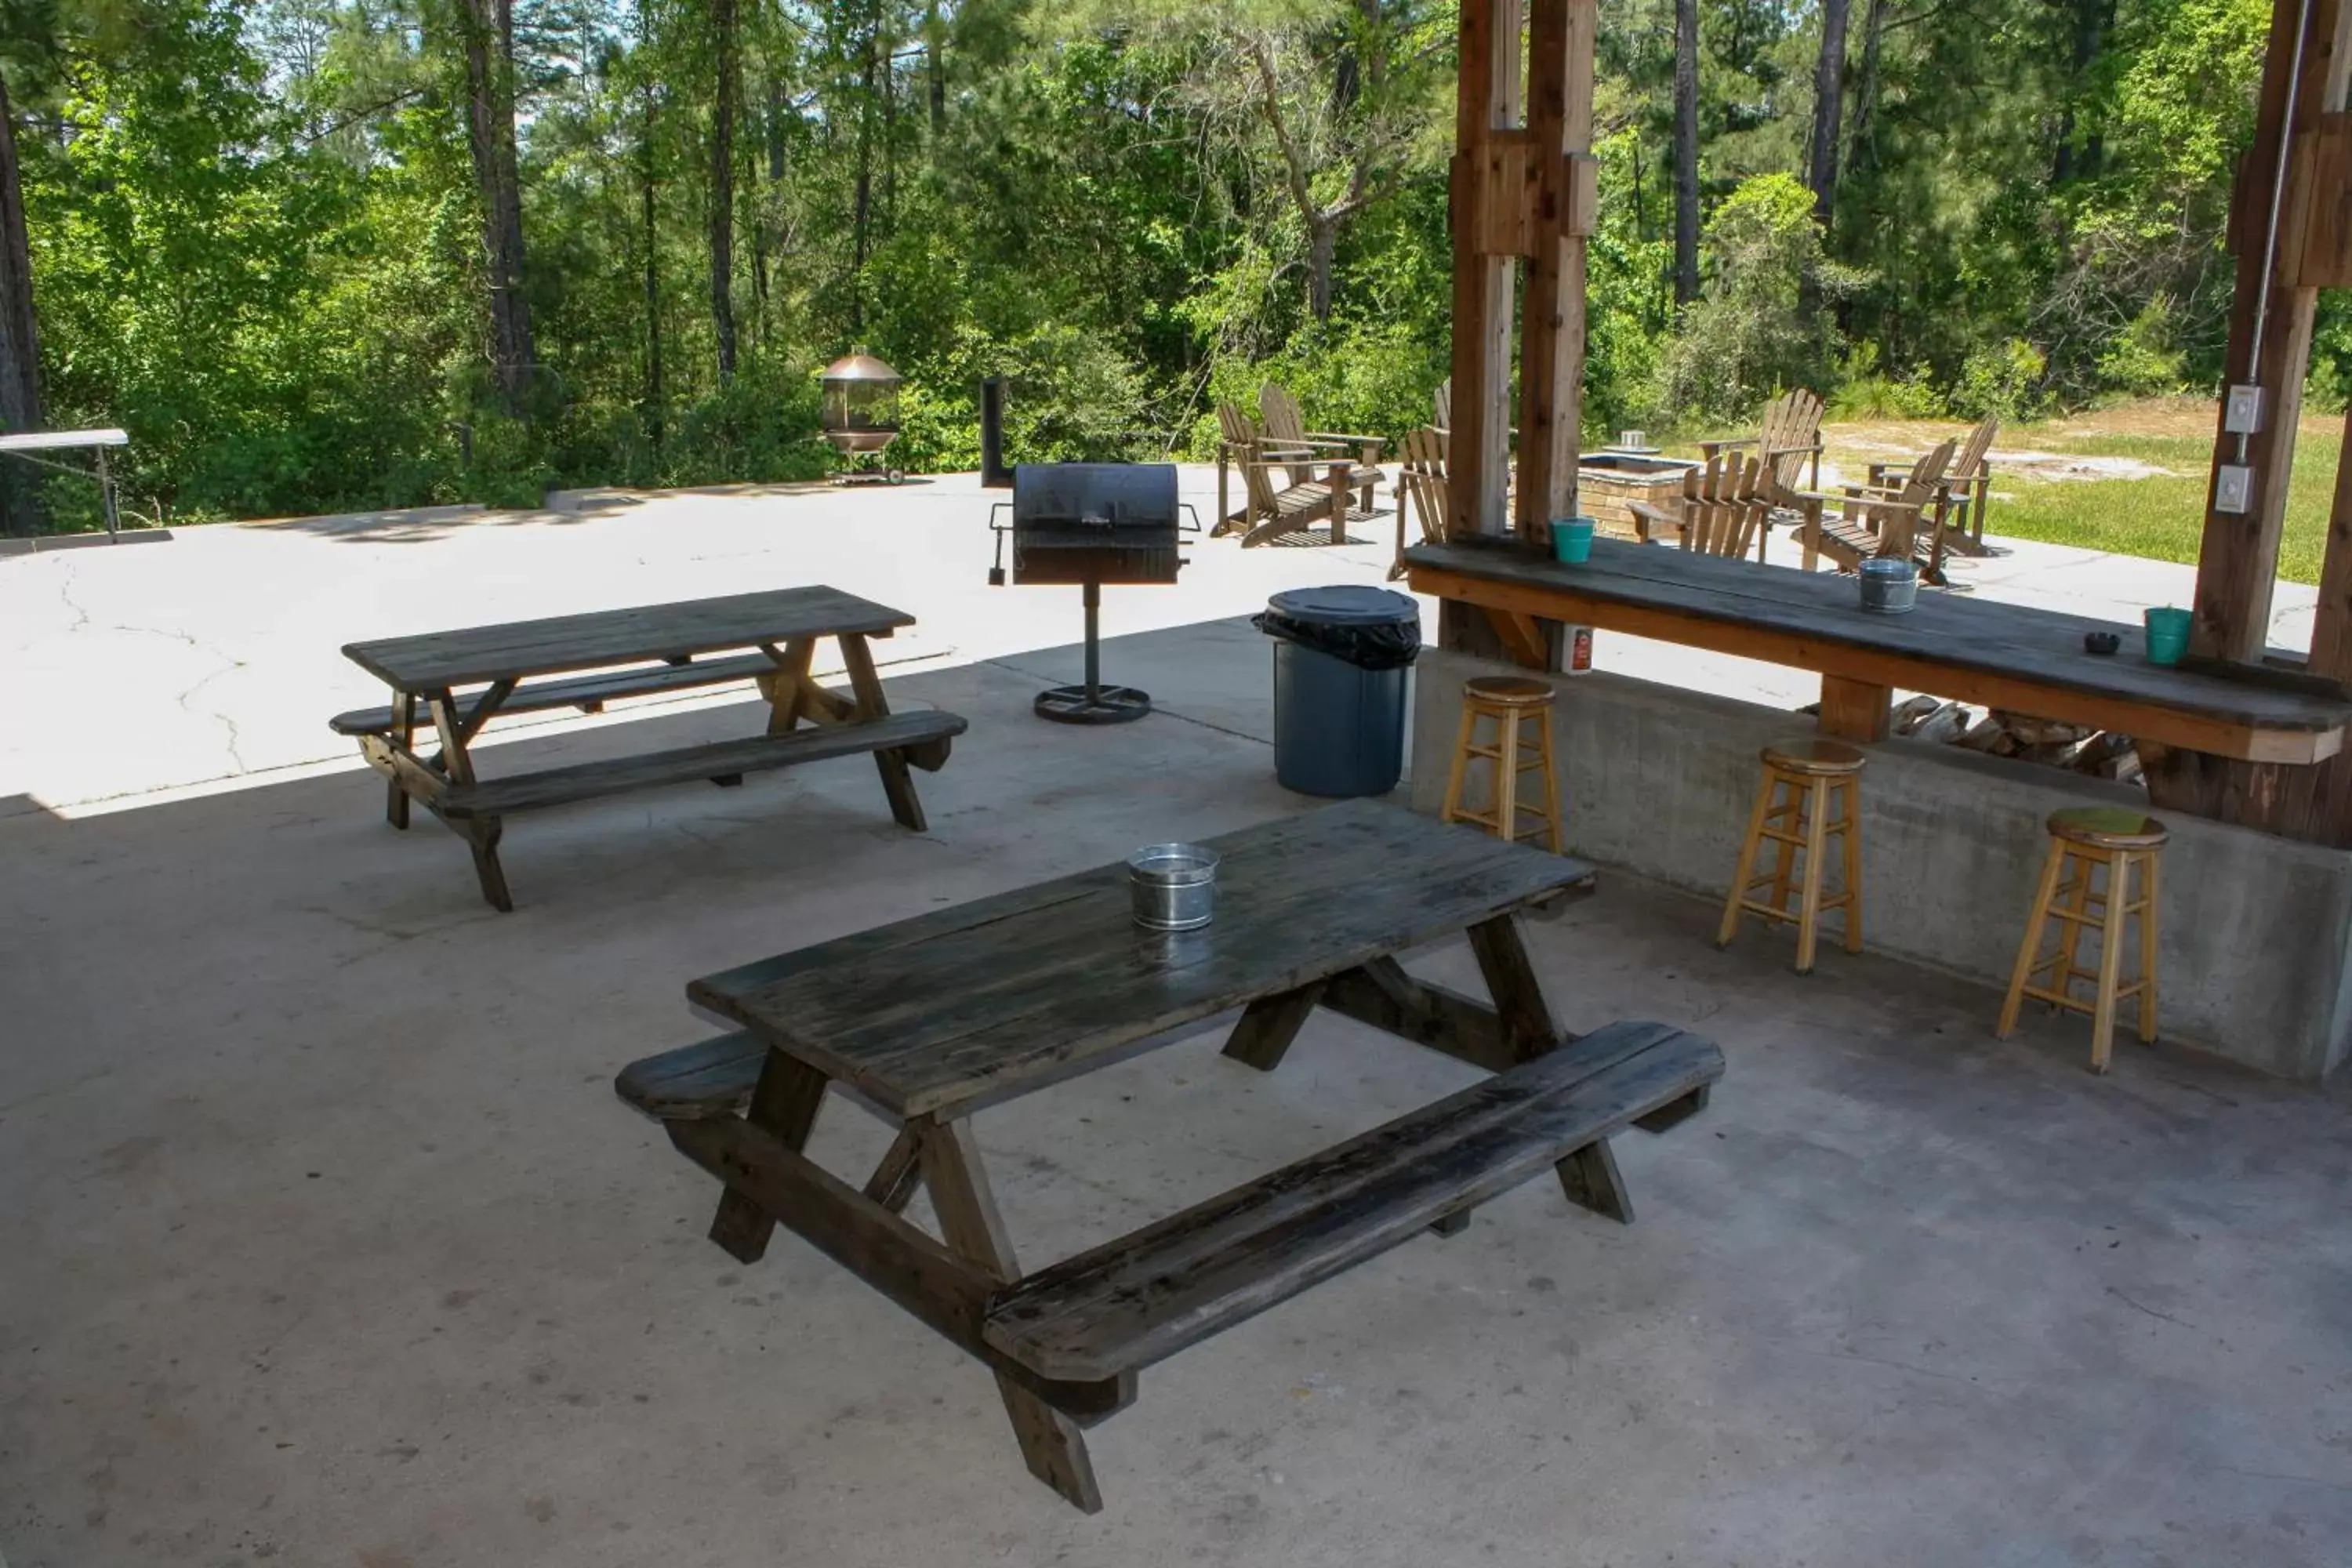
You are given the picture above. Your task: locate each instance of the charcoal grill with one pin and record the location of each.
(1088, 525)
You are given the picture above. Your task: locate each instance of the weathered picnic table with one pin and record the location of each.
(582, 661)
(931, 1019)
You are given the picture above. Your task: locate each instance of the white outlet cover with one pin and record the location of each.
(2233, 489)
(2242, 414)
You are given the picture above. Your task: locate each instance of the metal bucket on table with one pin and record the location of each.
(1889, 587)
(1173, 887)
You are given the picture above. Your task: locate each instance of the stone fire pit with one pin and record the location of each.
(1606, 481)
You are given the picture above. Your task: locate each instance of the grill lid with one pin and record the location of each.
(1094, 495)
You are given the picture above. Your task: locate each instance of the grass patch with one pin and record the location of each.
(2162, 517)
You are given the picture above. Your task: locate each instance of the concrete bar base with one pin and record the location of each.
(2256, 930)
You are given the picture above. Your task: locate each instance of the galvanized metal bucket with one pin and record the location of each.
(1890, 587)
(1173, 887)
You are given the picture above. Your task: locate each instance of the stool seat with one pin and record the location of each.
(1509, 690)
(2109, 827)
(1815, 759)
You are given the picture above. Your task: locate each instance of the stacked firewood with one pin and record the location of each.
(1996, 731)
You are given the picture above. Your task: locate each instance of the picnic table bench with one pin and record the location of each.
(928, 1020)
(582, 661)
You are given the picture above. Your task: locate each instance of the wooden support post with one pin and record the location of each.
(1551, 346)
(1487, 101)
(2270, 327)
(2269, 346)
(1855, 710)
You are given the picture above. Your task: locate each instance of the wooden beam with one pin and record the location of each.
(2270, 331)
(2311, 804)
(2325, 257)
(1487, 100)
(2237, 565)
(1855, 710)
(1551, 345)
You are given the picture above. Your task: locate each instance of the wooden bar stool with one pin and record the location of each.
(1512, 702)
(2082, 839)
(1803, 775)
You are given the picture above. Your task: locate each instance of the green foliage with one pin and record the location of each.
(2000, 379)
(1752, 332)
(258, 237)
(1865, 390)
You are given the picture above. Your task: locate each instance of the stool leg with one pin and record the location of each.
(1784, 854)
(2044, 890)
(1851, 789)
(2074, 901)
(1461, 762)
(1809, 914)
(1551, 783)
(2111, 962)
(2147, 864)
(1748, 848)
(1507, 778)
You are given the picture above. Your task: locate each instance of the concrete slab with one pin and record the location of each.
(330, 1243)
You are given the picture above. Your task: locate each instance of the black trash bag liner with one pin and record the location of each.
(1371, 628)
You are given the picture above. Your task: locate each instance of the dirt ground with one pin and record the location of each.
(2024, 450)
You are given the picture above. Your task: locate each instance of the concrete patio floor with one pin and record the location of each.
(330, 1245)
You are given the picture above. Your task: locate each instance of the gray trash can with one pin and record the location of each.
(1341, 657)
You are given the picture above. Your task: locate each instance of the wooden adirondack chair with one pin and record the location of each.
(1725, 506)
(1870, 522)
(1967, 488)
(1423, 486)
(1790, 441)
(1240, 442)
(1287, 427)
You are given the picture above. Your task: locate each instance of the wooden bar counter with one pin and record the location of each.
(2013, 657)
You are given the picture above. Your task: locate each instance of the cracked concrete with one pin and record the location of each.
(329, 1244)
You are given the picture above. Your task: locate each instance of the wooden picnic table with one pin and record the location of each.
(582, 661)
(931, 1019)
(2015, 656)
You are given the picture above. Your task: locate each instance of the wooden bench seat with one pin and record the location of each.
(1133, 1301)
(723, 760)
(586, 692)
(710, 1078)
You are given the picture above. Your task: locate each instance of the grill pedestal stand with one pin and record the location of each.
(1093, 702)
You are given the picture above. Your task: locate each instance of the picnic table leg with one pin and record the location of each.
(1268, 1025)
(404, 734)
(1589, 1179)
(785, 686)
(970, 1224)
(1527, 1023)
(481, 832)
(894, 1181)
(784, 1105)
(898, 783)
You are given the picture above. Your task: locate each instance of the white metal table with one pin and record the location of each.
(29, 446)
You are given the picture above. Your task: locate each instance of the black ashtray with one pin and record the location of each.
(2101, 643)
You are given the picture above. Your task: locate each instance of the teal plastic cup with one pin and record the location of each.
(2168, 634)
(1572, 539)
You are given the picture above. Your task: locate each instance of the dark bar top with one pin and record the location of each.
(2012, 643)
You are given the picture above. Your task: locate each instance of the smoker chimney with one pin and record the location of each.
(994, 474)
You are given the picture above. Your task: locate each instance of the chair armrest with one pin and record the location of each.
(1647, 517)
(1710, 448)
